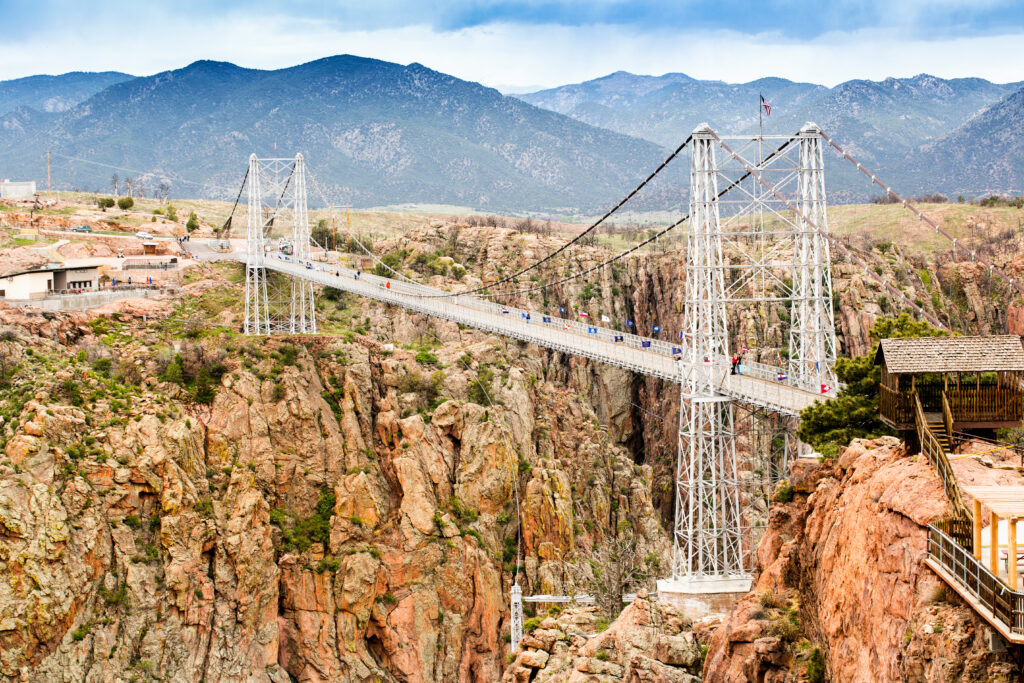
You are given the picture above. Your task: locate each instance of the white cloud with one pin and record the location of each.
(515, 56)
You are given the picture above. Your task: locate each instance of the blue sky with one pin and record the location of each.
(522, 44)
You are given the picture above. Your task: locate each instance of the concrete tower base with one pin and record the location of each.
(704, 596)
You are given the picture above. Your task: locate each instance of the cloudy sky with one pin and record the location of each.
(518, 45)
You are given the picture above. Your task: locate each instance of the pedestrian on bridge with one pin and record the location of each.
(735, 362)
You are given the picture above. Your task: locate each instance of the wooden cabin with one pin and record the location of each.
(980, 379)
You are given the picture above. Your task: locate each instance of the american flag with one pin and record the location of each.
(767, 107)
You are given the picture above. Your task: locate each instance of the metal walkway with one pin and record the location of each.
(758, 385)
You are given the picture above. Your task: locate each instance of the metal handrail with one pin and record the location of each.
(1003, 604)
(932, 449)
(640, 354)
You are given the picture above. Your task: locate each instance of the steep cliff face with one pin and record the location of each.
(327, 510)
(842, 579)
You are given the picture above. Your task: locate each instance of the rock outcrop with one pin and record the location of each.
(842, 581)
(647, 643)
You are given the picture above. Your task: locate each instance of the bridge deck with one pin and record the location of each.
(758, 385)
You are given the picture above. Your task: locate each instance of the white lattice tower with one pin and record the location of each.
(277, 304)
(812, 335)
(516, 621)
(707, 543)
(257, 315)
(302, 318)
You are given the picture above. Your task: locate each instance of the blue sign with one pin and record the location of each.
(645, 344)
(657, 328)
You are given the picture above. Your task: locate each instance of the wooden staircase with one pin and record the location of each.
(938, 430)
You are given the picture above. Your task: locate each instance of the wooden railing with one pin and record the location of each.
(1004, 605)
(987, 404)
(896, 405)
(961, 528)
(947, 418)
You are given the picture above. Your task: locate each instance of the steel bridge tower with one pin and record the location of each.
(812, 334)
(707, 548)
(277, 187)
(759, 252)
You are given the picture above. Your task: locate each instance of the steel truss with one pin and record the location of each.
(749, 248)
(707, 538)
(273, 303)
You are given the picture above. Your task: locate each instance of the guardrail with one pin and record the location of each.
(1004, 605)
(582, 338)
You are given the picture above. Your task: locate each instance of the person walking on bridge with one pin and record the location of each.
(735, 362)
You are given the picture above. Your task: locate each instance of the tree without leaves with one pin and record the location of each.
(613, 567)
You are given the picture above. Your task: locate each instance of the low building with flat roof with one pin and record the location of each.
(17, 190)
(54, 279)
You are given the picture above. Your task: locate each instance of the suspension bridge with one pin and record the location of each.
(757, 236)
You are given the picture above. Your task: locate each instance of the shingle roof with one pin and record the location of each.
(951, 354)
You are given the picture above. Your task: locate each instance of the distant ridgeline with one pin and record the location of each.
(380, 133)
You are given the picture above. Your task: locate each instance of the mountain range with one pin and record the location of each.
(908, 129)
(376, 133)
(55, 93)
(373, 133)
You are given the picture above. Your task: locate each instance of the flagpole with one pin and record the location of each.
(760, 162)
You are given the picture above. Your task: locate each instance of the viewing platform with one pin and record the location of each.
(979, 377)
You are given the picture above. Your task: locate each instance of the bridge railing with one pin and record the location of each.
(760, 384)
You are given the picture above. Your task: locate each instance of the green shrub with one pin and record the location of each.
(193, 222)
(132, 522)
(81, 632)
(314, 529)
(102, 366)
(531, 624)
(175, 371)
(288, 354)
(816, 667)
(461, 511)
(426, 357)
(783, 492)
(204, 508)
(125, 203)
(328, 564)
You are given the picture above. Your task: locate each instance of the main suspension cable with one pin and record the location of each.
(623, 254)
(225, 230)
(590, 229)
(831, 238)
(923, 216)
